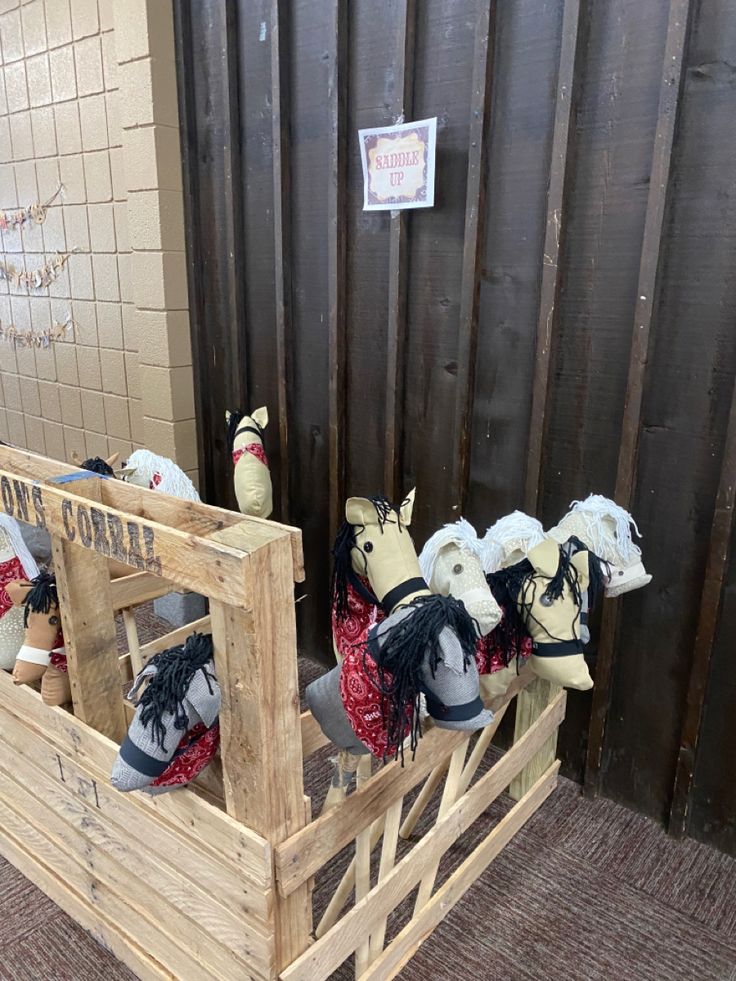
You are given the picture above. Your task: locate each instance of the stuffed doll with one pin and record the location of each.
(175, 731)
(16, 562)
(605, 528)
(424, 644)
(41, 657)
(251, 475)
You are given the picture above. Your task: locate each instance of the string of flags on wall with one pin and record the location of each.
(10, 334)
(36, 213)
(34, 279)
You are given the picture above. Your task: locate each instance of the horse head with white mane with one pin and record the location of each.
(251, 477)
(452, 565)
(425, 645)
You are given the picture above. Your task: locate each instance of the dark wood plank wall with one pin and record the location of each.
(497, 378)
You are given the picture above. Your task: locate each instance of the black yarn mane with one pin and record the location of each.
(168, 688)
(343, 574)
(233, 422)
(599, 571)
(511, 633)
(41, 597)
(522, 581)
(97, 465)
(403, 649)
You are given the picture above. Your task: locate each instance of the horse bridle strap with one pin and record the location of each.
(394, 596)
(453, 713)
(558, 649)
(248, 429)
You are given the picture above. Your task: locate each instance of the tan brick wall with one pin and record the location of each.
(88, 99)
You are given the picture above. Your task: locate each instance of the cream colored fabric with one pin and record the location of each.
(252, 479)
(495, 684)
(558, 622)
(605, 528)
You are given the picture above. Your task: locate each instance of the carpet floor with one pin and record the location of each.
(586, 891)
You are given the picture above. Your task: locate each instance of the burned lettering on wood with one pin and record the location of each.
(128, 542)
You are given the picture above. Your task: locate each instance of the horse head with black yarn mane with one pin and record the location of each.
(425, 644)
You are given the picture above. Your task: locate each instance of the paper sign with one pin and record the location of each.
(398, 165)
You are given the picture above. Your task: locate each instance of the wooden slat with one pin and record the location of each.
(193, 517)
(450, 794)
(345, 886)
(710, 608)
(138, 588)
(529, 706)
(551, 273)
(362, 867)
(255, 658)
(312, 736)
(475, 211)
(307, 851)
(191, 918)
(90, 643)
(408, 941)
(398, 257)
(388, 860)
(331, 950)
(641, 342)
(423, 798)
(106, 930)
(336, 254)
(302, 855)
(282, 231)
(203, 826)
(174, 637)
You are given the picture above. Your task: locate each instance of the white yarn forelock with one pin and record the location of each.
(511, 526)
(173, 479)
(595, 507)
(460, 533)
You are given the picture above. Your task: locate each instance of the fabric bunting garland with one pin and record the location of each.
(36, 278)
(36, 338)
(11, 220)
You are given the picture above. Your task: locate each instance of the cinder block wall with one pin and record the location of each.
(88, 99)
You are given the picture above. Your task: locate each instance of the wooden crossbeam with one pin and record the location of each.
(327, 953)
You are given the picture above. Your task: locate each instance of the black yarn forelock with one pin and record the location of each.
(403, 648)
(168, 687)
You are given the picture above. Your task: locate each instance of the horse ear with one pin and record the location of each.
(112, 460)
(260, 417)
(359, 510)
(407, 507)
(75, 459)
(228, 413)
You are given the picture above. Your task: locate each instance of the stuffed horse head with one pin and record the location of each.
(452, 565)
(605, 528)
(252, 478)
(96, 464)
(16, 563)
(175, 730)
(41, 656)
(425, 644)
(545, 584)
(146, 469)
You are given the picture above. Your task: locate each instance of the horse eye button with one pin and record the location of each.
(545, 600)
(457, 569)
(54, 621)
(369, 546)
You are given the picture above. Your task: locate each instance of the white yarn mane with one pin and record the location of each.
(173, 479)
(516, 526)
(12, 529)
(460, 533)
(595, 507)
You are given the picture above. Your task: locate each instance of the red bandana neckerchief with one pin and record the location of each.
(10, 571)
(255, 449)
(195, 750)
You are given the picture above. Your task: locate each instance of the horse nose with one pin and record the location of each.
(483, 609)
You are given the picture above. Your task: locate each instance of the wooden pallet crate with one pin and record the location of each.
(215, 880)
